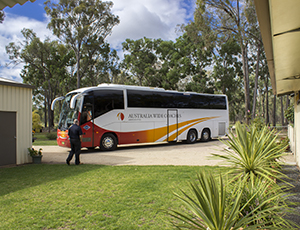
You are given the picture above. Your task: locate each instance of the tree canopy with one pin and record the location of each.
(220, 51)
(84, 25)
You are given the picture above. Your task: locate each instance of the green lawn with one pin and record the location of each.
(91, 196)
(41, 139)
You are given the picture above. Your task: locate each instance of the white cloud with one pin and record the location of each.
(138, 19)
(147, 18)
(10, 31)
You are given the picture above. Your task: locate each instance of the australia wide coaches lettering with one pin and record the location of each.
(154, 115)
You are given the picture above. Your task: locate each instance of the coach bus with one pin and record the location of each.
(112, 115)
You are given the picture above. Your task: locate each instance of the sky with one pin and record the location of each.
(138, 18)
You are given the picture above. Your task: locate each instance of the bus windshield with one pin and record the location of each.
(67, 114)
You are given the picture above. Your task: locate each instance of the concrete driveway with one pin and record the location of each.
(145, 154)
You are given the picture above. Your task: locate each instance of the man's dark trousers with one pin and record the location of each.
(75, 149)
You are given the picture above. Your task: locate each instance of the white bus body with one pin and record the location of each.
(112, 115)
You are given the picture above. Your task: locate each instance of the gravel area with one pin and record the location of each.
(146, 154)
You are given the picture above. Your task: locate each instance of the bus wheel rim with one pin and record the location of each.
(192, 137)
(108, 142)
(206, 135)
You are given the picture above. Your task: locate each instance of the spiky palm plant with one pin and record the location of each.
(211, 207)
(269, 198)
(253, 153)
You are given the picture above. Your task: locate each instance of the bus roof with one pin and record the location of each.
(105, 85)
(117, 86)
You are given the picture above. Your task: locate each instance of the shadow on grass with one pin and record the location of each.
(25, 176)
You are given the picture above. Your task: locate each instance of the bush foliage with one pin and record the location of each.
(250, 198)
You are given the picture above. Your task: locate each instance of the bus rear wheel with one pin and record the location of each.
(205, 135)
(108, 142)
(191, 137)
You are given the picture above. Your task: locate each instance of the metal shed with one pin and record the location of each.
(15, 122)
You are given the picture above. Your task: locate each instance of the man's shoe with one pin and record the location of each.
(68, 162)
(80, 163)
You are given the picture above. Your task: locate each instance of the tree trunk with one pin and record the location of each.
(267, 101)
(256, 81)
(286, 107)
(78, 75)
(244, 48)
(50, 112)
(282, 111)
(246, 83)
(78, 57)
(45, 111)
(274, 111)
(260, 102)
(264, 107)
(49, 115)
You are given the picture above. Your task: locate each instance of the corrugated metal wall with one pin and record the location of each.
(19, 100)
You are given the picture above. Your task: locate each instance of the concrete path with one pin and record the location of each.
(146, 154)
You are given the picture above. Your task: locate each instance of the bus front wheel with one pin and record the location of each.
(205, 136)
(192, 136)
(108, 142)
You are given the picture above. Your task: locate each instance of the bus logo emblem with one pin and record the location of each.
(86, 127)
(120, 116)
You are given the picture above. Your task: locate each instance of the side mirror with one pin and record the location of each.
(55, 100)
(73, 101)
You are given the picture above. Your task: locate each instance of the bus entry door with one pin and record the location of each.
(87, 126)
(172, 125)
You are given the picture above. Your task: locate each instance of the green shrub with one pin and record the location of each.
(51, 136)
(258, 122)
(207, 207)
(253, 153)
(289, 114)
(268, 198)
(243, 205)
(285, 141)
(36, 120)
(251, 199)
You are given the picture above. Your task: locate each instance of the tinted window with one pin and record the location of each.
(107, 100)
(156, 99)
(218, 102)
(199, 101)
(150, 99)
(87, 109)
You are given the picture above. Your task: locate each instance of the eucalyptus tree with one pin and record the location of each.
(175, 62)
(198, 57)
(140, 59)
(166, 68)
(123, 78)
(158, 63)
(103, 67)
(84, 25)
(200, 43)
(265, 87)
(2, 16)
(227, 75)
(256, 44)
(45, 66)
(227, 17)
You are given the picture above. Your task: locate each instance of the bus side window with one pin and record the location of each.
(87, 114)
(107, 100)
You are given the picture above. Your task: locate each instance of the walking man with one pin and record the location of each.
(75, 135)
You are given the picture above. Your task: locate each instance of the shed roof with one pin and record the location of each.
(11, 3)
(280, 29)
(4, 81)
